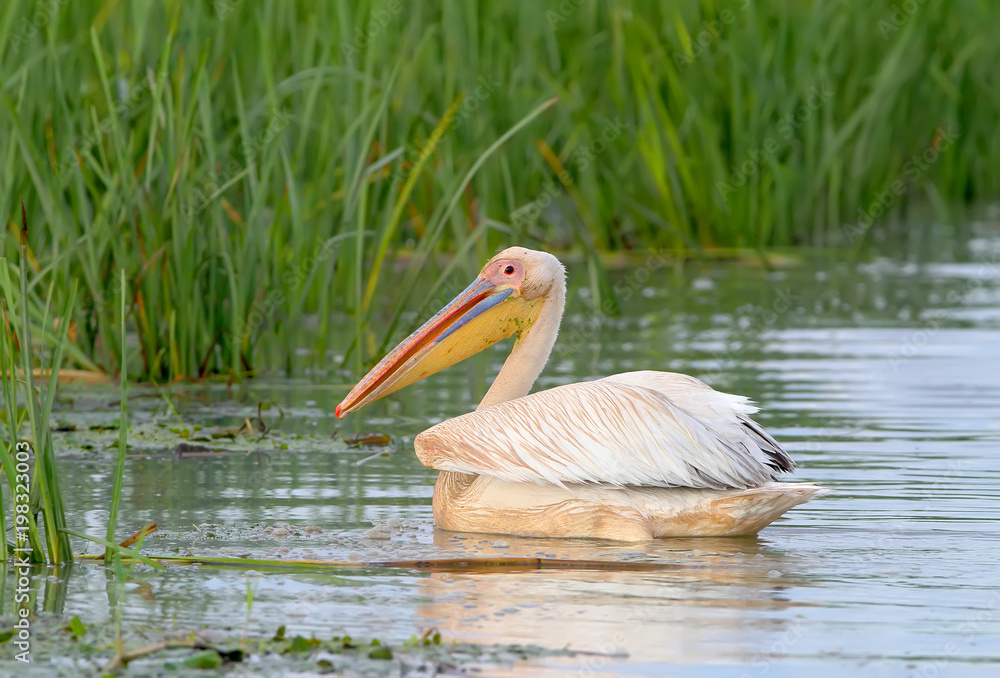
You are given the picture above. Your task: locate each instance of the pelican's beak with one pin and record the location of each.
(479, 317)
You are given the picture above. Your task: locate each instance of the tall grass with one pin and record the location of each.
(252, 166)
(119, 475)
(29, 464)
(29, 376)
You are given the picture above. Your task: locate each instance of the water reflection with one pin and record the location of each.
(46, 591)
(672, 615)
(880, 377)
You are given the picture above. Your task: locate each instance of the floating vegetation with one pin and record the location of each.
(508, 564)
(157, 649)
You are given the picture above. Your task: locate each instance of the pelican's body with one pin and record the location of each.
(630, 457)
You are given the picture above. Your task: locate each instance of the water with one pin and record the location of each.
(882, 377)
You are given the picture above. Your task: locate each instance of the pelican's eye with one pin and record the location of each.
(509, 270)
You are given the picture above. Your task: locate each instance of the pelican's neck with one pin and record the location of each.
(531, 350)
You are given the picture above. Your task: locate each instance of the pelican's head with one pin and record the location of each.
(504, 300)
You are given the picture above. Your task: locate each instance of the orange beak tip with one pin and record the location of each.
(337, 413)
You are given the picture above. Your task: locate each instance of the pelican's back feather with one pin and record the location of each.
(634, 429)
(724, 412)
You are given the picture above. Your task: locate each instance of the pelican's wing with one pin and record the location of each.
(606, 431)
(725, 413)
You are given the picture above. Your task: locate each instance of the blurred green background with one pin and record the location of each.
(261, 167)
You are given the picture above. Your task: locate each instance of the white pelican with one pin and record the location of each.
(629, 457)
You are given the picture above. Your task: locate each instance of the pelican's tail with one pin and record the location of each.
(738, 513)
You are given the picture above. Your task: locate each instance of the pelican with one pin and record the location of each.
(630, 457)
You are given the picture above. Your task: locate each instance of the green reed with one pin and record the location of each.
(119, 474)
(29, 462)
(256, 167)
(28, 382)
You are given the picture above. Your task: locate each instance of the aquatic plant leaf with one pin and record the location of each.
(380, 652)
(209, 659)
(76, 627)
